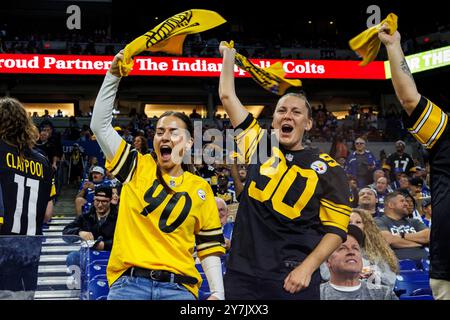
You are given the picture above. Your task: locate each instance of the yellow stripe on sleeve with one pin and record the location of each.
(330, 217)
(339, 207)
(430, 126)
(210, 248)
(1, 220)
(116, 163)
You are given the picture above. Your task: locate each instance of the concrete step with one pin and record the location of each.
(57, 249)
(57, 295)
(54, 258)
(54, 269)
(55, 281)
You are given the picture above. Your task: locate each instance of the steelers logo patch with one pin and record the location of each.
(202, 194)
(319, 166)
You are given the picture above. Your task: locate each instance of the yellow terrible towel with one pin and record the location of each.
(271, 78)
(367, 44)
(169, 35)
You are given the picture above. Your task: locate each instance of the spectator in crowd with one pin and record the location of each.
(411, 204)
(21, 215)
(380, 263)
(417, 192)
(426, 209)
(223, 191)
(227, 226)
(429, 125)
(345, 265)
(97, 225)
(127, 136)
(407, 237)
(140, 144)
(368, 201)
(85, 196)
(115, 199)
(382, 189)
(377, 174)
(399, 159)
(361, 163)
(276, 251)
(76, 164)
(152, 253)
(195, 114)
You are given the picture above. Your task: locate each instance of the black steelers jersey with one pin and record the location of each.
(289, 202)
(27, 187)
(429, 125)
(396, 162)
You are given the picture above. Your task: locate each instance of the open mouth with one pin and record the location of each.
(287, 128)
(351, 261)
(166, 152)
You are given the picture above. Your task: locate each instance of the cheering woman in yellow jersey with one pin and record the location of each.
(164, 210)
(294, 209)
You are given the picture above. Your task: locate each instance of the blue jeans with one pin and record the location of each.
(140, 288)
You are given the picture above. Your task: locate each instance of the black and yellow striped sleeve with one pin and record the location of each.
(335, 217)
(248, 139)
(426, 123)
(334, 211)
(210, 241)
(124, 163)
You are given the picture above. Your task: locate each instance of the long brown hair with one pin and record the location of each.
(16, 126)
(375, 246)
(184, 166)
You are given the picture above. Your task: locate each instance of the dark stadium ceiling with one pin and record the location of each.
(259, 18)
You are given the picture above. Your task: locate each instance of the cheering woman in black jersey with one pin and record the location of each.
(294, 210)
(164, 212)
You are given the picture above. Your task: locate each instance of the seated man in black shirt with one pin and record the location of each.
(407, 237)
(98, 225)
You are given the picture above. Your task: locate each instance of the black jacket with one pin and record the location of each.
(89, 223)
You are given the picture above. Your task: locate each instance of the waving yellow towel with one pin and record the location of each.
(271, 78)
(169, 35)
(367, 44)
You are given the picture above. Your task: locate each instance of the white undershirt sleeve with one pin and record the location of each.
(101, 122)
(213, 270)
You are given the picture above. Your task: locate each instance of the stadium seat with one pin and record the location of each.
(97, 255)
(426, 264)
(408, 281)
(97, 268)
(422, 292)
(421, 297)
(407, 264)
(98, 289)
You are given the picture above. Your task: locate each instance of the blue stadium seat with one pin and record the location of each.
(425, 264)
(98, 255)
(408, 281)
(97, 268)
(98, 289)
(421, 297)
(407, 264)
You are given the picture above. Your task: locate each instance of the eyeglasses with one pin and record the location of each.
(102, 201)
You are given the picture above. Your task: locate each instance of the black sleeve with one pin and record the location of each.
(74, 227)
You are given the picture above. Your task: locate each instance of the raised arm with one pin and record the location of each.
(101, 122)
(234, 108)
(402, 79)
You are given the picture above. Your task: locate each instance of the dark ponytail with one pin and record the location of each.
(185, 167)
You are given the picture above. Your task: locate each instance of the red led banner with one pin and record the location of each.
(183, 67)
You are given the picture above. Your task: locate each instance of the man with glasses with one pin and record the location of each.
(361, 163)
(98, 225)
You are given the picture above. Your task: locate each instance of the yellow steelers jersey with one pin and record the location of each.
(290, 200)
(429, 125)
(157, 230)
